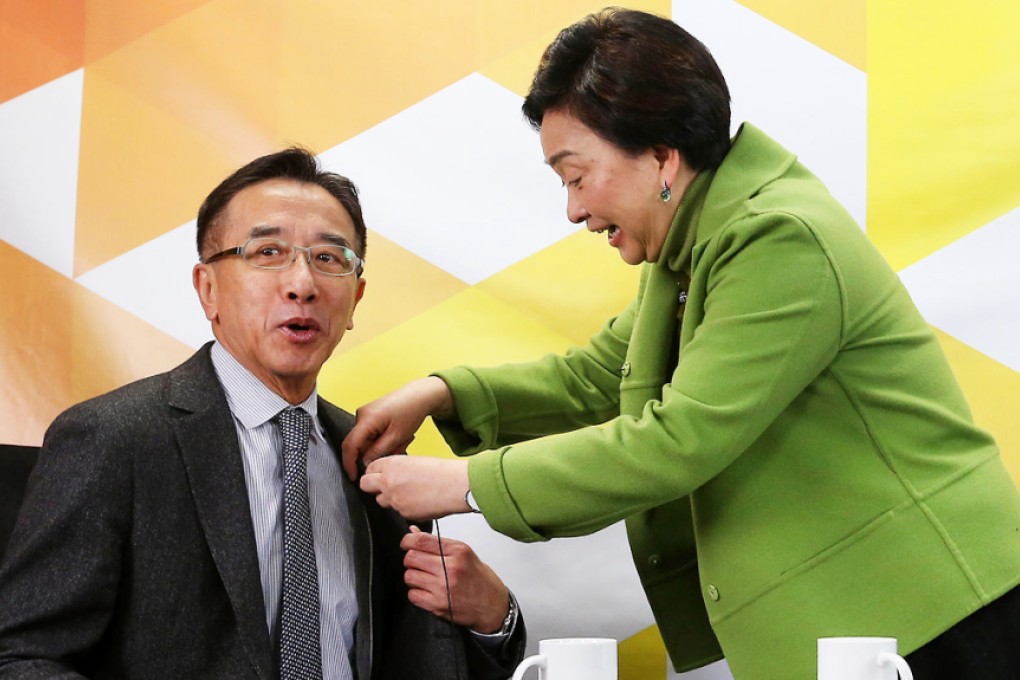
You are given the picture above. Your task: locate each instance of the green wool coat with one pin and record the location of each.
(789, 447)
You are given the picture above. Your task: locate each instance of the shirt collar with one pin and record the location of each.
(251, 402)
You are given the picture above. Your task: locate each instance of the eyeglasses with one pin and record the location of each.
(270, 253)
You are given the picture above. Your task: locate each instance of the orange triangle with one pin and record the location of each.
(35, 366)
(165, 119)
(112, 24)
(40, 40)
(111, 347)
(65, 344)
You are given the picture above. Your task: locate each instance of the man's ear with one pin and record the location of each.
(358, 294)
(203, 277)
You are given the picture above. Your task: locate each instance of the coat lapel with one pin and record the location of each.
(337, 424)
(208, 443)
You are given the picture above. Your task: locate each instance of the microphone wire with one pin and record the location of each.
(454, 633)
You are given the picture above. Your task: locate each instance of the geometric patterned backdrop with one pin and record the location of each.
(117, 117)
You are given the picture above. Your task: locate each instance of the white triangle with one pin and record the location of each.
(153, 282)
(809, 101)
(567, 587)
(970, 289)
(719, 670)
(458, 179)
(40, 134)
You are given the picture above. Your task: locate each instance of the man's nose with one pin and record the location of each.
(300, 278)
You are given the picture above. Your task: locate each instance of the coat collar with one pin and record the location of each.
(754, 160)
(710, 202)
(212, 460)
(676, 251)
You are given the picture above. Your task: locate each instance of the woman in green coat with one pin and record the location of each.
(771, 415)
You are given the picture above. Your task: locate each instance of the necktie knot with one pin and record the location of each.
(295, 426)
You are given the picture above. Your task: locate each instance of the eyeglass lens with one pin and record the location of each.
(266, 253)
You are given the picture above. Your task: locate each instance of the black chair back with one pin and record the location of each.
(15, 464)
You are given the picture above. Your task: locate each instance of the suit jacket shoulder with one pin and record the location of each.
(142, 490)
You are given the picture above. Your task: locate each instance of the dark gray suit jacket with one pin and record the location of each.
(134, 553)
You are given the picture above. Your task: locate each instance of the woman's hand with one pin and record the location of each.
(387, 425)
(417, 487)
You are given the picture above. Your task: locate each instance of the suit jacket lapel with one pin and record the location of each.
(337, 424)
(208, 443)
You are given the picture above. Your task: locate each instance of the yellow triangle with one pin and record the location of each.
(572, 287)
(399, 285)
(643, 656)
(943, 139)
(469, 328)
(515, 68)
(993, 391)
(346, 68)
(514, 35)
(837, 26)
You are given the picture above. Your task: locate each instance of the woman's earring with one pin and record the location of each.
(665, 194)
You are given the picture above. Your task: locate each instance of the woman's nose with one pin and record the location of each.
(576, 213)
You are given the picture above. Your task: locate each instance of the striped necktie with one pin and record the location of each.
(300, 647)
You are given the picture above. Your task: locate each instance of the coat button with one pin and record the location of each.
(654, 560)
(713, 593)
(625, 369)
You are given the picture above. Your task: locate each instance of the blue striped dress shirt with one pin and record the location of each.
(253, 405)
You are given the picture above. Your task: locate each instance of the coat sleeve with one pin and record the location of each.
(414, 643)
(518, 402)
(58, 583)
(771, 322)
(488, 664)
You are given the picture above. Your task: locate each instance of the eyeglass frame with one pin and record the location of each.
(358, 270)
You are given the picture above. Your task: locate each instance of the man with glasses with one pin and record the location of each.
(198, 524)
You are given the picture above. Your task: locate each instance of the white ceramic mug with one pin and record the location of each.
(573, 659)
(860, 658)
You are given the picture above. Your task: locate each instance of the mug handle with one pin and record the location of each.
(887, 658)
(539, 661)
